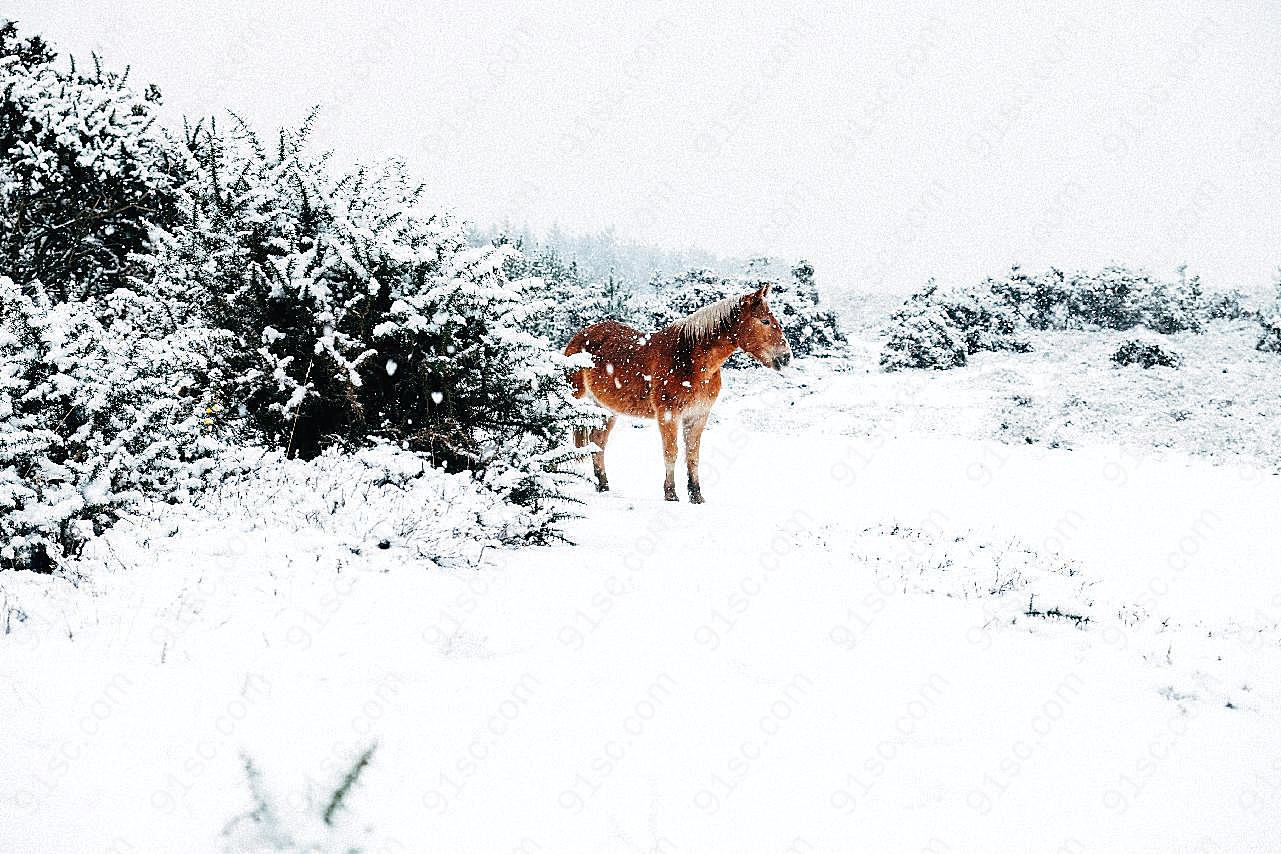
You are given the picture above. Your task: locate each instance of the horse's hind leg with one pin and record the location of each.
(599, 437)
(694, 424)
(667, 427)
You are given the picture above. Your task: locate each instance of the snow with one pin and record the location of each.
(895, 626)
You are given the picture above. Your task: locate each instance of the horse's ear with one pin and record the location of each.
(757, 295)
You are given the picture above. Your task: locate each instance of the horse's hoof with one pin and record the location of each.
(602, 487)
(670, 496)
(696, 498)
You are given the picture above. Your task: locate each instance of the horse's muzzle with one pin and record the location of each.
(781, 361)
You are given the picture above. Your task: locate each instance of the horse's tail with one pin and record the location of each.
(578, 376)
(578, 379)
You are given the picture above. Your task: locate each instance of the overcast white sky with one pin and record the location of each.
(887, 142)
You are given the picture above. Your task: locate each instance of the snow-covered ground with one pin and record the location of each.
(896, 626)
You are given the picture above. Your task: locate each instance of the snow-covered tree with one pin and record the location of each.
(100, 404)
(810, 327)
(83, 174)
(358, 312)
(574, 300)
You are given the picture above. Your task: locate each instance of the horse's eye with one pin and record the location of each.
(765, 321)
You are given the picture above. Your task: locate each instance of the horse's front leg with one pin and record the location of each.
(694, 423)
(667, 427)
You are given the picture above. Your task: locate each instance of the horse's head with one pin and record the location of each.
(759, 334)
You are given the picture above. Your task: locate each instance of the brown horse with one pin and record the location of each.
(672, 375)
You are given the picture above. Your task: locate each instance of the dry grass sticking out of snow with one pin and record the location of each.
(1018, 587)
(963, 566)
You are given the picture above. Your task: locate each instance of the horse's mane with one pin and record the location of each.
(710, 321)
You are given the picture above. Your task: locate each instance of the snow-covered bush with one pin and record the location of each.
(1039, 301)
(146, 274)
(671, 298)
(574, 300)
(1146, 354)
(941, 329)
(1270, 337)
(1173, 307)
(360, 313)
(922, 336)
(923, 333)
(83, 173)
(371, 498)
(1115, 297)
(1270, 323)
(1225, 305)
(100, 404)
(1108, 299)
(810, 327)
